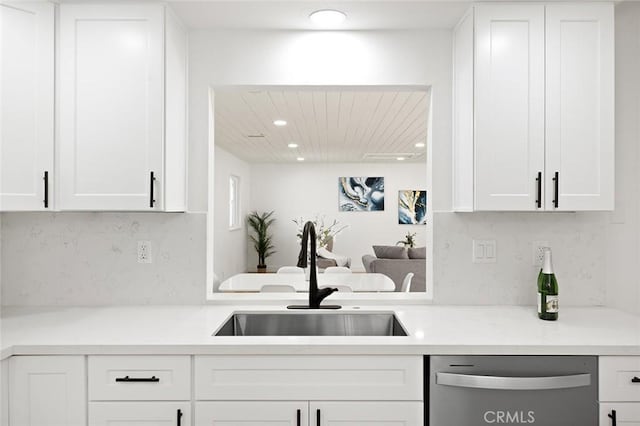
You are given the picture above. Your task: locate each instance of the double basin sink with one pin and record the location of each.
(312, 324)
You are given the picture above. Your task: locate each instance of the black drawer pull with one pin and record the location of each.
(46, 189)
(612, 416)
(127, 379)
(179, 417)
(318, 417)
(539, 184)
(556, 187)
(298, 417)
(152, 182)
(635, 379)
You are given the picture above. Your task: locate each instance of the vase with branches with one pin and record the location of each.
(324, 231)
(262, 240)
(409, 240)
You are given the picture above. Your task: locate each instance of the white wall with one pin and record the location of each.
(230, 246)
(623, 230)
(362, 58)
(309, 190)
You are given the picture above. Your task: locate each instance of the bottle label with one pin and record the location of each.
(550, 303)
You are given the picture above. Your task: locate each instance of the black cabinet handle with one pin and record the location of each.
(612, 416)
(635, 379)
(298, 417)
(127, 379)
(539, 183)
(179, 417)
(318, 417)
(556, 185)
(152, 182)
(46, 189)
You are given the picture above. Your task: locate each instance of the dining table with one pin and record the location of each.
(358, 282)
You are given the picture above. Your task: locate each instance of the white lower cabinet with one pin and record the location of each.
(140, 413)
(47, 391)
(252, 413)
(309, 390)
(313, 413)
(350, 413)
(619, 390)
(620, 414)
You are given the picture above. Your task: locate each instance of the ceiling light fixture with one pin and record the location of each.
(300, 158)
(279, 123)
(400, 158)
(293, 145)
(327, 17)
(420, 145)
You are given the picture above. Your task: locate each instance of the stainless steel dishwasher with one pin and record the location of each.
(513, 390)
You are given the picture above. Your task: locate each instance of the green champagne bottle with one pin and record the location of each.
(547, 290)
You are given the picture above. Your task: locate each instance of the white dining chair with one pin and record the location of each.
(337, 270)
(277, 288)
(406, 283)
(290, 270)
(342, 288)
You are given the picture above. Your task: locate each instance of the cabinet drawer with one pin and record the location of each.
(139, 378)
(308, 378)
(626, 414)
(619, 378)
(139, 413)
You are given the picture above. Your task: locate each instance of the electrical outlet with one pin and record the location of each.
(537, 252)
(144, 252)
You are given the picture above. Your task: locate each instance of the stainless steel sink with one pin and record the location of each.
(312, 324)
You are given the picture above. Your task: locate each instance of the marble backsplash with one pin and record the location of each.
(90, 258)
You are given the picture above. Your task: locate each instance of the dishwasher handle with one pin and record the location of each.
(513, 383)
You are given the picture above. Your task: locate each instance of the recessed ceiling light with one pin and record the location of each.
(293, 145)
(327, 17)
(300, 158)
(279, 123)
(420, 145)
(400, 158)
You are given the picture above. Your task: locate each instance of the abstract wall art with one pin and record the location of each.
(360, 194)
(412, 207)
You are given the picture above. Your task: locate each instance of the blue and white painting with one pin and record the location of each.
(361, 194)
(412, 207)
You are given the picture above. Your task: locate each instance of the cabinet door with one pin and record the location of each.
(47, 391)
(111, 106)
(254, 413)
(580, 107)
(140, 413)
(26, 110)
(626, 414)
(365, 413)
(509, 106)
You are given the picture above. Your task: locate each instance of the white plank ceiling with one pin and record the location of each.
(334, 126)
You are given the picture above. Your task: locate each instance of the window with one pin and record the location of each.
(234, 202)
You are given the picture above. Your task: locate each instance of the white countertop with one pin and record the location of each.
(511, 330)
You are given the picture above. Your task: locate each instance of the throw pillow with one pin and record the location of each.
(417, 253)
(390, 252)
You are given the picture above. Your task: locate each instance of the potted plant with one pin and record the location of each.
(409, 240)
(262, 240)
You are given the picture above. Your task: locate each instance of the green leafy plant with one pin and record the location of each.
(262, 240)
(324, 232)
(409, 240)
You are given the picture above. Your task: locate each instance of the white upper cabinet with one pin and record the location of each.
(114, 78)
(580, 107)
(27, 104)
(509, 105)
(533, 95)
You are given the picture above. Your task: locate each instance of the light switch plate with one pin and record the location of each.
(484, 251)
